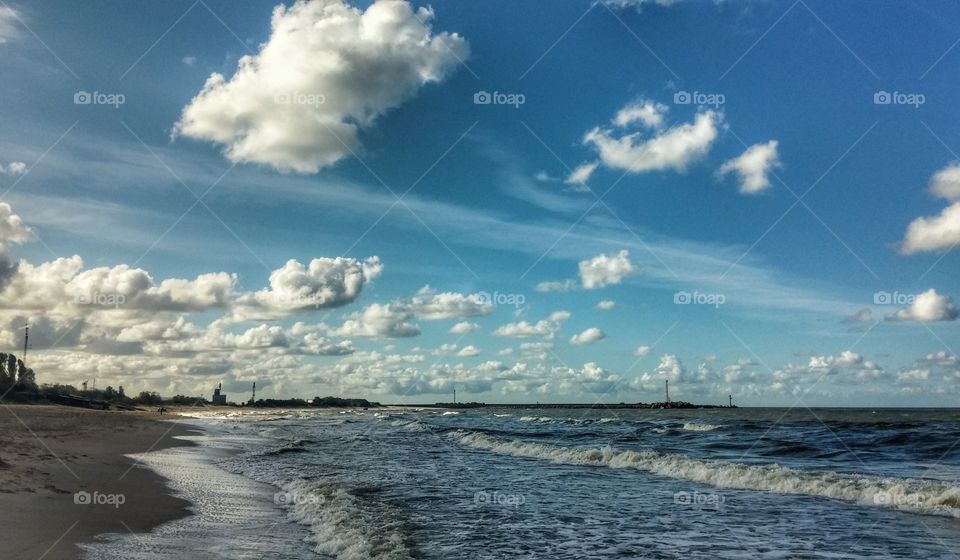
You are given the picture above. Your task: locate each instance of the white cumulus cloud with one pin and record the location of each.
(753, 167)
(588, 336)
(670, 148)
(928, 306)
(605, 270)
(941, 231)
(327, 71)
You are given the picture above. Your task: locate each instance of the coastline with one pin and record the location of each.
(50, 453)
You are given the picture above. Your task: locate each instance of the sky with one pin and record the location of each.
(390, 200)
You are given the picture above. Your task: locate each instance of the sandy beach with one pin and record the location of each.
(64, 477)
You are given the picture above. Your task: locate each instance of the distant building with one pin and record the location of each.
(218, 397)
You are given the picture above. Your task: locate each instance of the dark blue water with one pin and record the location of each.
(502, 483)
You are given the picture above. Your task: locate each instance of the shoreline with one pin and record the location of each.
(65, 477)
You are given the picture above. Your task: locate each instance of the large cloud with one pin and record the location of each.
(327, 71)
(324, 283)
(753, 167)
(928, 306)
(943, 230)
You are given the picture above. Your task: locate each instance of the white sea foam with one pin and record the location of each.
(923, 496)
(536, 419)
(341, 527)
(695, 427)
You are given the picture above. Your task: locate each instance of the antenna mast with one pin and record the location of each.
(26, 338)
(253, 398)
(667, 381)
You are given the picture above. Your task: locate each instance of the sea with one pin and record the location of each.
(504, 483)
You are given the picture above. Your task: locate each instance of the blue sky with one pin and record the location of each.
(492, 209)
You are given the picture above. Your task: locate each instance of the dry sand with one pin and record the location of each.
(50, 453)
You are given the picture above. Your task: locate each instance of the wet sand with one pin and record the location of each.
(64, 478)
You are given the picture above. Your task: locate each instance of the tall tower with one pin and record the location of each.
(454, 395)
(731, 400)
(667, 386)
(26, 338)
(253, 397)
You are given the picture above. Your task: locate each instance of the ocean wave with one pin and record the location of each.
(536, 419)
(342, 527)
(917, 495)
(297, 446)
(695, 427)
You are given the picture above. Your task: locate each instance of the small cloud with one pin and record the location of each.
(189, 60)
(641, 351)
(865, 315)
(605, 270)
(14, 168)
(606, 305)
(464, 327)
(468, 351)
(544, 177)
(556, 286)
(753, 167)
(588, 336)
(578, 177)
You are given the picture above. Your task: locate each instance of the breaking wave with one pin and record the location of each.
(342, 527)
(917, 495)
(694, 427)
